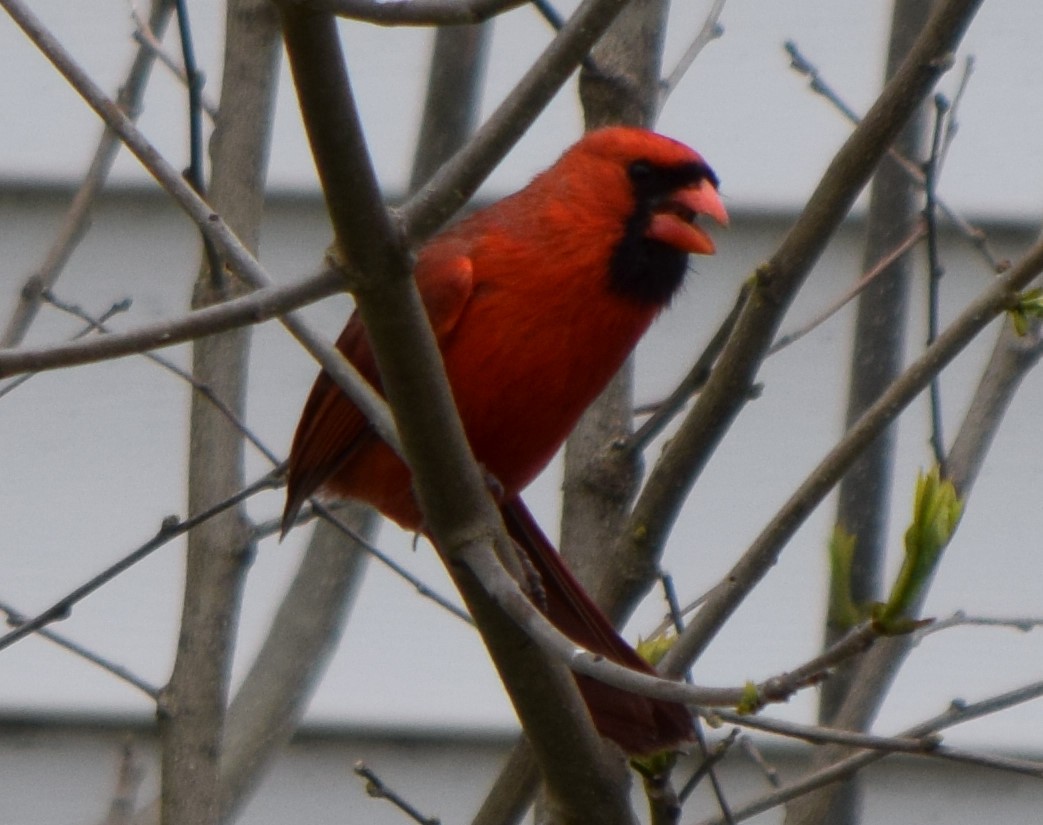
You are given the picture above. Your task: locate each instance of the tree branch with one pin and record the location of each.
(77, 216)
(459, 178)
(192, 708)
(210, 224)
(957, 713)
(458, 510)
(765, 549)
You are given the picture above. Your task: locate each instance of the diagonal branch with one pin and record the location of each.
(461, 176)
(459, 512)
(78, 214)
(252, 308)
(236, 255)
(766, 548)
(956, 714)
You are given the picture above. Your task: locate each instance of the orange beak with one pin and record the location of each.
(674, 221)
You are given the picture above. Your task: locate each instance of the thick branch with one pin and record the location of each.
(458, 510)
(192, 710)
(252, 308)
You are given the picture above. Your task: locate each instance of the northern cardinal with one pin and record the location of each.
(535, 302)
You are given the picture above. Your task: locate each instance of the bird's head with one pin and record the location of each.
(661, 188)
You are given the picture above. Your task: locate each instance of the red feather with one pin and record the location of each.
(535, 302)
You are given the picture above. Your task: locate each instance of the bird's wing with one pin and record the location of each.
(332, 429)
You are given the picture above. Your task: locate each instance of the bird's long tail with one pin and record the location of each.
(638, 724)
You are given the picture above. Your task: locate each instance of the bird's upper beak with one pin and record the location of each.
(674, 220)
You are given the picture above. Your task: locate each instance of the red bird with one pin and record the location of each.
(535, 302)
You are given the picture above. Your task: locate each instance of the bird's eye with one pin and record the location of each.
(640, 170)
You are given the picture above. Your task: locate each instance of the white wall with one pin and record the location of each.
(93, 459)
(66, 777)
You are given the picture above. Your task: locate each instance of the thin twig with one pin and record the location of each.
(881, 266)
(171, 528)
(753, 753)
(421, 588)
(118, 307)
(204, 390)
(957, 713)
(128, 780)
(194, 174)
(674, 614)
(718, 753)
(557, 22)
(951, 123)
(1025, 624)
(820, 734)
(664, 411)
(376, 788)
(710, 760)
(255, 307)
(977, 237)
(146, 37)
(935, 271)
(16, 618)
(77, 216)
(711, 30)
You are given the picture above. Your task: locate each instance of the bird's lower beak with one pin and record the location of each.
(674, 222)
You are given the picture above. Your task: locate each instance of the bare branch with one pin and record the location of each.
(960, 619)
(819, 734)
(419, 585)
(171, 528)
(149, 38)
(710, 760)
(303, 636)
(935, 270)
(765, 549)
(957, 713)
(512, 793)
(978, 239)
(78, 214)
(853, 291)
(16, 618)
(774, 286)
(710, 31)
(128, 780)
(198, 386)
(254, 307)
(211, 224)
(458, 179)
(192, 710)
(664, 411)
(753, 753)
(461, 517)
(378, 789)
